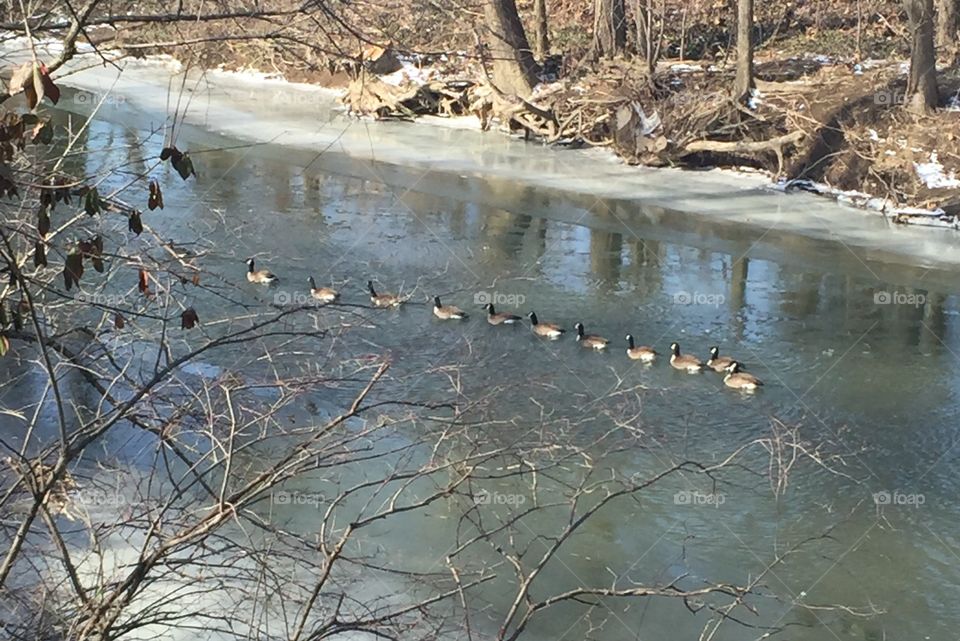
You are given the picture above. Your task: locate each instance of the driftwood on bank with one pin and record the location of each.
(749, 147)
(641, 127)
(370, 95)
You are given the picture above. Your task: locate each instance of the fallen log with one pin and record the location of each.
(775, 145)
(368, 94)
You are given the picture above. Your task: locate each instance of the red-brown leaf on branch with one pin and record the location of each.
(134, 223)
(73, 269)
(50, 90)
(189, 318)
(39, 254)
(118, 321)
(43, 222)
(156, 196)
(170, 152)
(143, 282)
(184, 166)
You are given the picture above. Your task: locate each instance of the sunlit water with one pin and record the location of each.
(876, 381)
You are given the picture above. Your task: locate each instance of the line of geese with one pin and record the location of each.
(733, 377)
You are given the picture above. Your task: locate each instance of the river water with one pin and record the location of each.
(855, 336)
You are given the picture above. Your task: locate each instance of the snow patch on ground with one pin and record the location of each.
(411, 72)
(862, 200)
(933, 175)
(682, 67)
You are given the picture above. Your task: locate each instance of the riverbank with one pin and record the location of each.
(827, 114)
(269, 110)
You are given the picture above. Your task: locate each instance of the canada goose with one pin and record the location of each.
(447, 312)
(259, 276)
(499, 319)
(549, 330)
(740, 380)
(684, 362)
(590, 340)
(383, 300)
(718, 363)
(642, 353)
(322, 294)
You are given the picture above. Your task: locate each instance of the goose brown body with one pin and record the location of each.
(718, 363)
(499, 318)
(447, 312)
(383, 300)
(741, 380)
(639, 352)
(547, 330)
(592, 341)
(684, 362)
(322, 294)
(259, 276)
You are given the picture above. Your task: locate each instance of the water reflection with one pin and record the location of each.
(878, 377)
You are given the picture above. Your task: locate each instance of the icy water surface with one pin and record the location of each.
(858, 348)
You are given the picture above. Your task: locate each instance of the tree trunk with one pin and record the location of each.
(609, 28)
(650, 36)
(541, 29)
(514, 69)
(744, 81)
(922, 94)
(948, 25)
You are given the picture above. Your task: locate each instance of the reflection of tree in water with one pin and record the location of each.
(278, 180)
(801, 295)
(645, 266)
(934, 328)
(504, 232)
(606, 256)
(739, 273)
